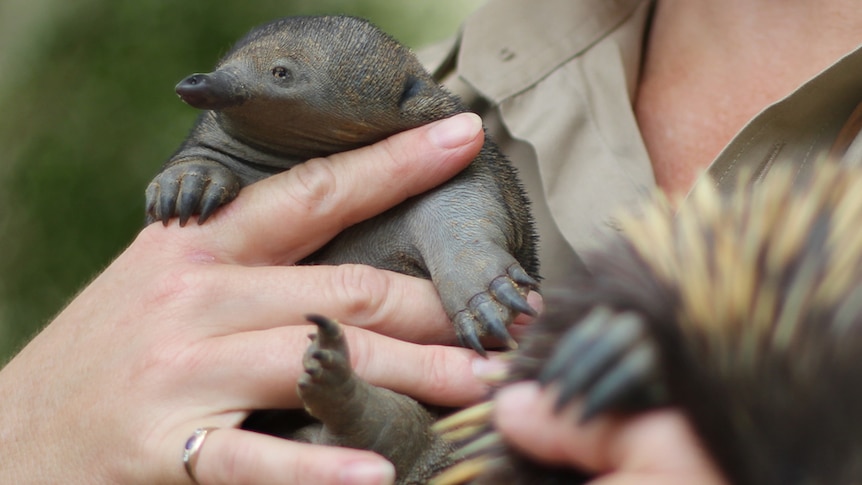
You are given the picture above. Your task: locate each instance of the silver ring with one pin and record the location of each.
(193, 447)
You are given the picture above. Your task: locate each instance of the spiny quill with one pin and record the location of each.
(744, 310)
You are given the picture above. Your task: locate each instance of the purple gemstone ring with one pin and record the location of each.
(190, 452)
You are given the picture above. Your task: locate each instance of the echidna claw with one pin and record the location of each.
(465, 329)
(329, 333)
(488, 313)
(605, 358)
(602, 358)
(495, 326)
(189, 187)
(518, 275)
(189, 197)
(167, 200)
(208, 207)
(575, 342)
(634, 372)
(506, 293)
(326, 362)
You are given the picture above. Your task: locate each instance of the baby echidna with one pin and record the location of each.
(744, 310)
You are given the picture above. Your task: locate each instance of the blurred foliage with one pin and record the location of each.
(88, 115)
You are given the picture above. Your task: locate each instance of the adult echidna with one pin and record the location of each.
(744, 308)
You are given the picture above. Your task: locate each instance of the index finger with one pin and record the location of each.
(288, 216)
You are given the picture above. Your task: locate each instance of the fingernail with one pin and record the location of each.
(536, 302)
(455, 131)
(368, 473)
(489, 369)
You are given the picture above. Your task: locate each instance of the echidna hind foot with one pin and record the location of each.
(356, 414)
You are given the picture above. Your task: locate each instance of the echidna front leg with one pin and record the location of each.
(356, 414)
(190, 186)
(609, 360)
(483, 295)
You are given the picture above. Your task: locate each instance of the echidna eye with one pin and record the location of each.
(281, 72)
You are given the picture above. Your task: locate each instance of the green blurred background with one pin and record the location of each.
(88, 115)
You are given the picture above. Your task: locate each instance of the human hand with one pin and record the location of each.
(194, 327)
(653, 448)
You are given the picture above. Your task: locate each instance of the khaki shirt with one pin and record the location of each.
(555, 81)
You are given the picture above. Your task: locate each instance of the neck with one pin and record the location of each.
(791, 38)
(710, 66)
